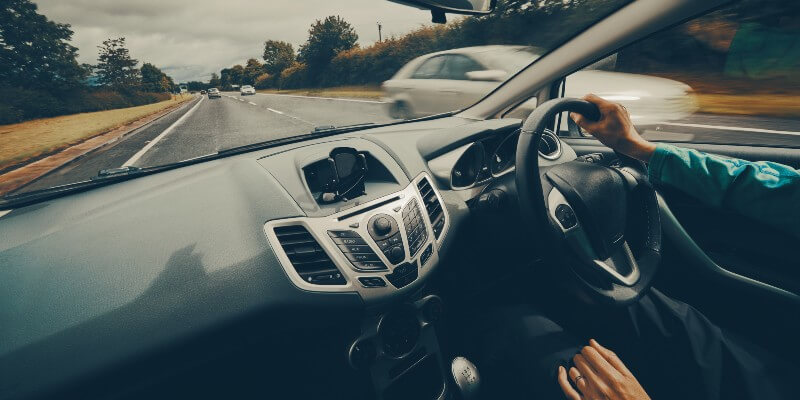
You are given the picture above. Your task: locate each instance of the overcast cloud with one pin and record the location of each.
(190, 39)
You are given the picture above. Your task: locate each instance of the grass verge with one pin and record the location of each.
(346, 92)
(772, 105)
(32, 139)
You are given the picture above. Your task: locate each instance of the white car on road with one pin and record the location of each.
(247, 89)
(454, 79)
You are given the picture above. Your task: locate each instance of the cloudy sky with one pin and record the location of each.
(190, 39)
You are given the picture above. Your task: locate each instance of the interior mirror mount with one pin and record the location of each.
(438, 8)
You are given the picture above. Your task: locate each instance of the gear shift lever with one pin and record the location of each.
(465, 375)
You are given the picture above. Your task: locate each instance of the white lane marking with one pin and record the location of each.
(732, 128)
(290, 116)
(240, 99)
(169, 129)
(324, 98)
(4, 212)
(251, 103)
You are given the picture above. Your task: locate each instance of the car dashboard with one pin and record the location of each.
(166, 272)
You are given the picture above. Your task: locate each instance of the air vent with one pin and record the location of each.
(549, 146)
(307, 256)
(432, 205)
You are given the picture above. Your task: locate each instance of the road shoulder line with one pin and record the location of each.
(732, 128)
(29, 173)
(169, 129)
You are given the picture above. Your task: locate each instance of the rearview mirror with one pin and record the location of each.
(496, 75)
(439, 7)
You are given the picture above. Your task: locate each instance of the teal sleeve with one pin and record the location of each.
(765, 191)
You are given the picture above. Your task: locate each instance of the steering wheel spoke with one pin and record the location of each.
(590, 211)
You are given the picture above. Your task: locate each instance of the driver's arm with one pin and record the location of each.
(765, 191)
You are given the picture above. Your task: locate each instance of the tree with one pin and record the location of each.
(34, 51)
(115, 66)
(252, 70)
(214, 81)
(231, 76)
(277, 56)
(326, 39)
(154, 80)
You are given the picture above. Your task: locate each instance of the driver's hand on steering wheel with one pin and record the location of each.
(615, 129)
(599, 374)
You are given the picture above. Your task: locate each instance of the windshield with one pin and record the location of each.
(95, 88)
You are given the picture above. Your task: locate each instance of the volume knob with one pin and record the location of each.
(382, 226)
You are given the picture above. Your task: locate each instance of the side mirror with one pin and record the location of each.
(439, 7)
(494, 75)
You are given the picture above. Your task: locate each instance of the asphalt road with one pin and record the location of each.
(205, 126)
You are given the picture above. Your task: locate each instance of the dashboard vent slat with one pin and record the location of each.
(307, 256)
(433, 206)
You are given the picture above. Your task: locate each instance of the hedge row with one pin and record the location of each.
(19, 104)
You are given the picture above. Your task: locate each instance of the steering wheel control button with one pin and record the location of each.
(381, 226)
(415, 227)
(426, 255)
(566, 217)
(403, 275)
(372, 281)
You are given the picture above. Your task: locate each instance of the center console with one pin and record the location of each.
(378, 235)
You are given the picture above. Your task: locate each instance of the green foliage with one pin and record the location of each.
(34, 51)
(154, 80)
(296, 76)
(20, 104)
(252, 70)
(326, 39)
(214, 81)
(115, 67)
(277, 56)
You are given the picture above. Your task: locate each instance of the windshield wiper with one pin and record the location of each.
(333, 128)
(125, 170)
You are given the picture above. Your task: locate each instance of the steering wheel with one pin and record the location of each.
(602, 222)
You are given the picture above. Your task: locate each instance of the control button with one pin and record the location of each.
(384, 245)
(426, 255)
(396, 254)
(349, 241)
(566, 216)
(343, 234)
(437, 228)
(372, 281)
(396, 209)
(362, 257)
(382, 226)
(395, 239)
(355, 248)
(354, 225)
(403, 275)
(370, 265)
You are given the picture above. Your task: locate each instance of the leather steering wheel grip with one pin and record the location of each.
(532, 189)
(539, 117)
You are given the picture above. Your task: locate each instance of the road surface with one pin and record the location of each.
(205, 126)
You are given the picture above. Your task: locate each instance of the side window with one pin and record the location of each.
(729, 77)
(429, 69)
(457, 66)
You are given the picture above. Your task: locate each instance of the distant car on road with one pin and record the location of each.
(454, 79)
(214, 93)
(247, 89)
(203, 91)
